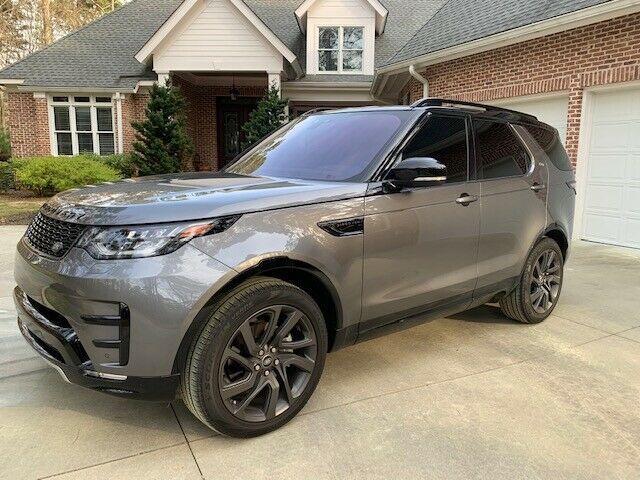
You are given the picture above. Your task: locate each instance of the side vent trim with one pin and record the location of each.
(344, 228)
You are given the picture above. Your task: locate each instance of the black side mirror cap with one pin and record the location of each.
(415, 172)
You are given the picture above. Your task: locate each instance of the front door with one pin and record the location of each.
(420, 246)
(232, 115)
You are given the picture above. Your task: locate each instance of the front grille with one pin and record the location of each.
(52, 237)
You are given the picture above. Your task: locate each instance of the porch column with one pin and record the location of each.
(274, 79)
(163, 78)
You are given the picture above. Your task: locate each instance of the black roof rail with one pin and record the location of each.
(444, 102)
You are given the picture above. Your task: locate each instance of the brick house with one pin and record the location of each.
(573, 63)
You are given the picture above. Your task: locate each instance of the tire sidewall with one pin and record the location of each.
(531, 315)
(273, 293)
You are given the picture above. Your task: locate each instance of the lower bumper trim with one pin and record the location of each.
(160, 389)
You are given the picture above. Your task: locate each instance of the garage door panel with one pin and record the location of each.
(612, 194)
(633, 200)
(603, 228)
(610, 135)
(605, 167)
(613, 105)
(632, 232)
(605, 197)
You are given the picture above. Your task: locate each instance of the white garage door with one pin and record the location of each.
(612, 191)
(550, 110)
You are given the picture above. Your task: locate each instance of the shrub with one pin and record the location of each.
(7, 176)
(161, 139)
(47, 175)
(5, 145)
(121, 162)
(269, 115)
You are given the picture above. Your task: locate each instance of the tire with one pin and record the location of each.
(525, 303)
(242, 389)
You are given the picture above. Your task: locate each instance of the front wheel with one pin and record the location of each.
(533, 300)
(258, 359)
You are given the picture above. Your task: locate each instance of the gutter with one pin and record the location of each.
(421, 79)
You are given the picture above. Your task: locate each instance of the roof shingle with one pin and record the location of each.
(462, 21)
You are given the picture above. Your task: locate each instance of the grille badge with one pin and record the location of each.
(56, 247)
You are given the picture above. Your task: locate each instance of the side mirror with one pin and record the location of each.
(416, 172)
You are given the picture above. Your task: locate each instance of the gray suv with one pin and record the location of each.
(231, 287)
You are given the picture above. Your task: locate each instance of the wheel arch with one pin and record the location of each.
(556, 233)
(301, 274)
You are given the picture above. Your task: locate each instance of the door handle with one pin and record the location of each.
(536, 187)
(465, 199)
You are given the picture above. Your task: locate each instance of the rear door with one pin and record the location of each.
(513, 203)
(420, 245)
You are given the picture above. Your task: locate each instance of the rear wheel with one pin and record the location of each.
(533, 300)
(258, 359)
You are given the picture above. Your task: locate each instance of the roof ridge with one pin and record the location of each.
(389, 60)
(68, 35)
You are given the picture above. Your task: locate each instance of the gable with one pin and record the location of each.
(216, 36)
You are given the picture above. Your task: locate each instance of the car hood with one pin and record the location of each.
(190, 196)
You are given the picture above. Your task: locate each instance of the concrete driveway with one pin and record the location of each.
(470, 396)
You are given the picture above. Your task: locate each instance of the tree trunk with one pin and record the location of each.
(47, 31)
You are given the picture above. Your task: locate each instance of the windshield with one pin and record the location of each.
(331, 146)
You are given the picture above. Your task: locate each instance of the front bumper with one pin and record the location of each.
(127, 318)
(59, 346)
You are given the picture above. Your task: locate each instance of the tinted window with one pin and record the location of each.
(549, 141)
(336, 146)
(445, 139)
(499, 151)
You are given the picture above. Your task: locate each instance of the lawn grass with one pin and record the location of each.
(18, 209)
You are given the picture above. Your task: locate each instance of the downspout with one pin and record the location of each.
(421, 79)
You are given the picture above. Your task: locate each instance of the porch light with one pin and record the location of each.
(234, 92)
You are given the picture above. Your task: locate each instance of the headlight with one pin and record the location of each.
(105, 243)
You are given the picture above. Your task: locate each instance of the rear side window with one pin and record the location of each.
(445, 139)
(500, 152)
(549, 141)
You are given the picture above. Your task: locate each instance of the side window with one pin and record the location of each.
(445, 139)
(549, 141)
(499, 151)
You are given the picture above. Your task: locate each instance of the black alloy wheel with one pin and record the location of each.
(257, 360)
(545, 281)
(267, 363)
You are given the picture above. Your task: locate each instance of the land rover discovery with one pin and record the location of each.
(231, 287)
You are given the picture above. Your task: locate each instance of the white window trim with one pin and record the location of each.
(341, 49)
(94, 105)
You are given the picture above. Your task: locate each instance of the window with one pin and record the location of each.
(340, 49)
(549, 141)
(445, 139)
(82, 124)
(500, 153)
(337, 147)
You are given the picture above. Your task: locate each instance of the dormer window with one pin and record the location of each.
(340, 49)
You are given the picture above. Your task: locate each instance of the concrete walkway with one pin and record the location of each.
(470, 396)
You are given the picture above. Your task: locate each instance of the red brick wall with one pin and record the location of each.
(28, 123)
(201, 111)
(603, 53)
(132, 111)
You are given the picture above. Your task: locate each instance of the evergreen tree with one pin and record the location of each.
(161, 140)
(270, 114)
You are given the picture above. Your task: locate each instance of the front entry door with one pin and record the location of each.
(232, 115)
(421, 246)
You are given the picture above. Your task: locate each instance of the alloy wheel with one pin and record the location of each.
(546, 279)
(267, 363)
